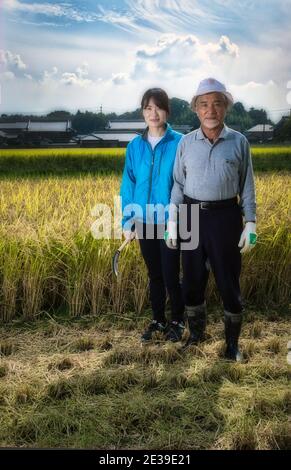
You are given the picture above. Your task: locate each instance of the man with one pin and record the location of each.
(213, 168)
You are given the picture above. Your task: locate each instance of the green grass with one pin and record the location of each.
(40, 163)
(62, 163)
(134, 397)
(271, 158)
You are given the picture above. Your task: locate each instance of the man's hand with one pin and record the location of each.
(248, 237)
(170, 235)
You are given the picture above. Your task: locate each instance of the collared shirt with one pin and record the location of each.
(215, 171)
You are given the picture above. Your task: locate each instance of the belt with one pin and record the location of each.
(212, 204)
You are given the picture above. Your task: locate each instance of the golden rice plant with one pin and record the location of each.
(10, 278)
(98, 277)
(50, 260)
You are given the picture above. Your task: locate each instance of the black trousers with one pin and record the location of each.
(219, 233)
(163, 266)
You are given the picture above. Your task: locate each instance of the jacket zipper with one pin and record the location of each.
(151, 174)
(152, 164)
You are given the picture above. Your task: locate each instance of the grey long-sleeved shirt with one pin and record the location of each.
(213, 172)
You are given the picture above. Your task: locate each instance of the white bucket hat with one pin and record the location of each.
(211, 85)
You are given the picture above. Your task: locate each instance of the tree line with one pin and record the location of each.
(87, 122)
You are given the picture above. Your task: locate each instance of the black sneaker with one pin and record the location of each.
(154, 326)
(175, 331)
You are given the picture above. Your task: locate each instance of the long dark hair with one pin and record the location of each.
(159, 97)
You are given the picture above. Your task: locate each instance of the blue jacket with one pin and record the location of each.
(148, 177)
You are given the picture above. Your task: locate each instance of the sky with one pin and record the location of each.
(86, 54)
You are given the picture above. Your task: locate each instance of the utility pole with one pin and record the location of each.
(101, 109)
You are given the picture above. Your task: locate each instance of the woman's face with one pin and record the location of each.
(153, 115)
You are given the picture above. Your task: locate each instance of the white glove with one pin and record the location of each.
(129, 234)
(248, 237)
(170, 235)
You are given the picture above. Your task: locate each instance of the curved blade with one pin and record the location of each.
(115, 262)
(116, 256)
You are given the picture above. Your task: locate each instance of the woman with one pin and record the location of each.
(147, 182)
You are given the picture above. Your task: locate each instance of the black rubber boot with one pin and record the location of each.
(232, 325)
(196, 317)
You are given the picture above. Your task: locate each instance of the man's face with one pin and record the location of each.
(211, 110)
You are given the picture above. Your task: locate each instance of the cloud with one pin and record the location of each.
(50, 9)
(119, 78)
(265, 95)
(83, 71)
(49, 75)
(67, 90)
(202, 43)
(183, 16)
(137, 16)
(203, 17)
(7, 75)
(160, 15)
(77, 78)
(10, 61)
(177, 54)
(11, 66)
(126, 21)
(223, 47)
(38, 24)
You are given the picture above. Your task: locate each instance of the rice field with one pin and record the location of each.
(39, 163)
(49, 260)
(72, 371)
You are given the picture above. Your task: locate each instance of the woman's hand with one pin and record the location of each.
(129, 234)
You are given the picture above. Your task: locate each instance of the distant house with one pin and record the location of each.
(107, 139)
(126, 125)
(11, 132)
(33, 133)
(13, 127)
(117, 133)
(260, 133)
(138, 126)
(183, 128)
(49, 131)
